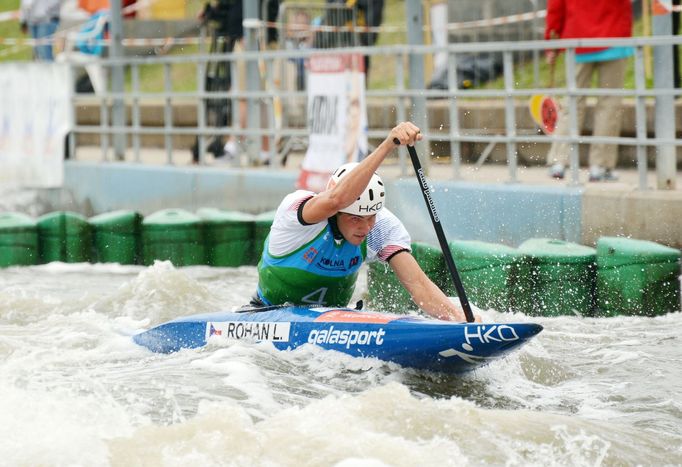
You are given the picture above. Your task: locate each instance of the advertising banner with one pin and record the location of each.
(337, 117)
(35, 117)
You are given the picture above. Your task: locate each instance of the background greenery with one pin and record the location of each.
(12, 29)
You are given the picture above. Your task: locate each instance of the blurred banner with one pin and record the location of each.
(337, 117)
(35, 117)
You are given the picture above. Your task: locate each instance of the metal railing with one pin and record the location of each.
(395, 99)
(491, 21)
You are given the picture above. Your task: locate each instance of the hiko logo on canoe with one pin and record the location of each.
(346, 337)
(251, 331)
(494, 333)
(484, 334)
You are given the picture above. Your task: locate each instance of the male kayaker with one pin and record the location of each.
(318, 242)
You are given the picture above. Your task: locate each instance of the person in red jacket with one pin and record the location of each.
(572, 19)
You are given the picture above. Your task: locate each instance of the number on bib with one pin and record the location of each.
(316, 297)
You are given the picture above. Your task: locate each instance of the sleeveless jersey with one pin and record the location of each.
(305, 264)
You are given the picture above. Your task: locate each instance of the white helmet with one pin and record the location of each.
(370, 201)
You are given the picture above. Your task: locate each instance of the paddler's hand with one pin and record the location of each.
(461, 317)
(456, 314)
(551, 54)
(405, 133)
(550, 57)
(477, 318)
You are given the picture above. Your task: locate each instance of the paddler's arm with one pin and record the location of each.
(329, 202)
(423, 291)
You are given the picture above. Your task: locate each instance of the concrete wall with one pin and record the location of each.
(647, 215)
(98, 188)
(501, 213)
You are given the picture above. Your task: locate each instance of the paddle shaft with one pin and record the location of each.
(435, 220)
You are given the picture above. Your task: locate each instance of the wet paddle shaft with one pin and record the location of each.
(435, 220)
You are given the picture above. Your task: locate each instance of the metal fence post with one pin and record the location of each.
(415, 27)
(168, 113)
(665, 105)
(455, 145)
(104, 127)
(251, 24)
(510, 114)
(640, 117)
(400, 86)
(118, 117)
(574, 124)
(135, 76)
(201, 102)
(71, 137)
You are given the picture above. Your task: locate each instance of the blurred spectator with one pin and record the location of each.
(372, 14)
(40, 19)
(226, 17)
(86, 28)
(360, 13)
(89, 48)
(92, 33)
(572, 19)
(438, 17)
(352, 150)
(298, 37)
(93, 6)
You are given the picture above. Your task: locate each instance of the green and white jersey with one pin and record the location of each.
(306, 264)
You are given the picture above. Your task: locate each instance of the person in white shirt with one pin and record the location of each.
(40, 19)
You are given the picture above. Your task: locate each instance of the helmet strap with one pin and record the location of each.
(334, 225)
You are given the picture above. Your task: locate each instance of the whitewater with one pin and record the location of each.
(76, 390)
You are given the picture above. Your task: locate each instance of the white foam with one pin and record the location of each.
(74, 389)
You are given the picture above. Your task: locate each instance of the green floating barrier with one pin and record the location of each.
(64, 236)
(18, 240)
(261, 229)
(553, 278)
(229, 237)
(485, 269)
(116, 237)
(384, 290)
(175, 235)
(637, 277)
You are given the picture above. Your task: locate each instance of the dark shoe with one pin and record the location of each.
(600, 174)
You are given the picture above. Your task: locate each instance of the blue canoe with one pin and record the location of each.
(411, 341)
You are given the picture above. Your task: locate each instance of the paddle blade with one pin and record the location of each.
(535, 107)
(550, 115)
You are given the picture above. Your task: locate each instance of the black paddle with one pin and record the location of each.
(435, 220)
